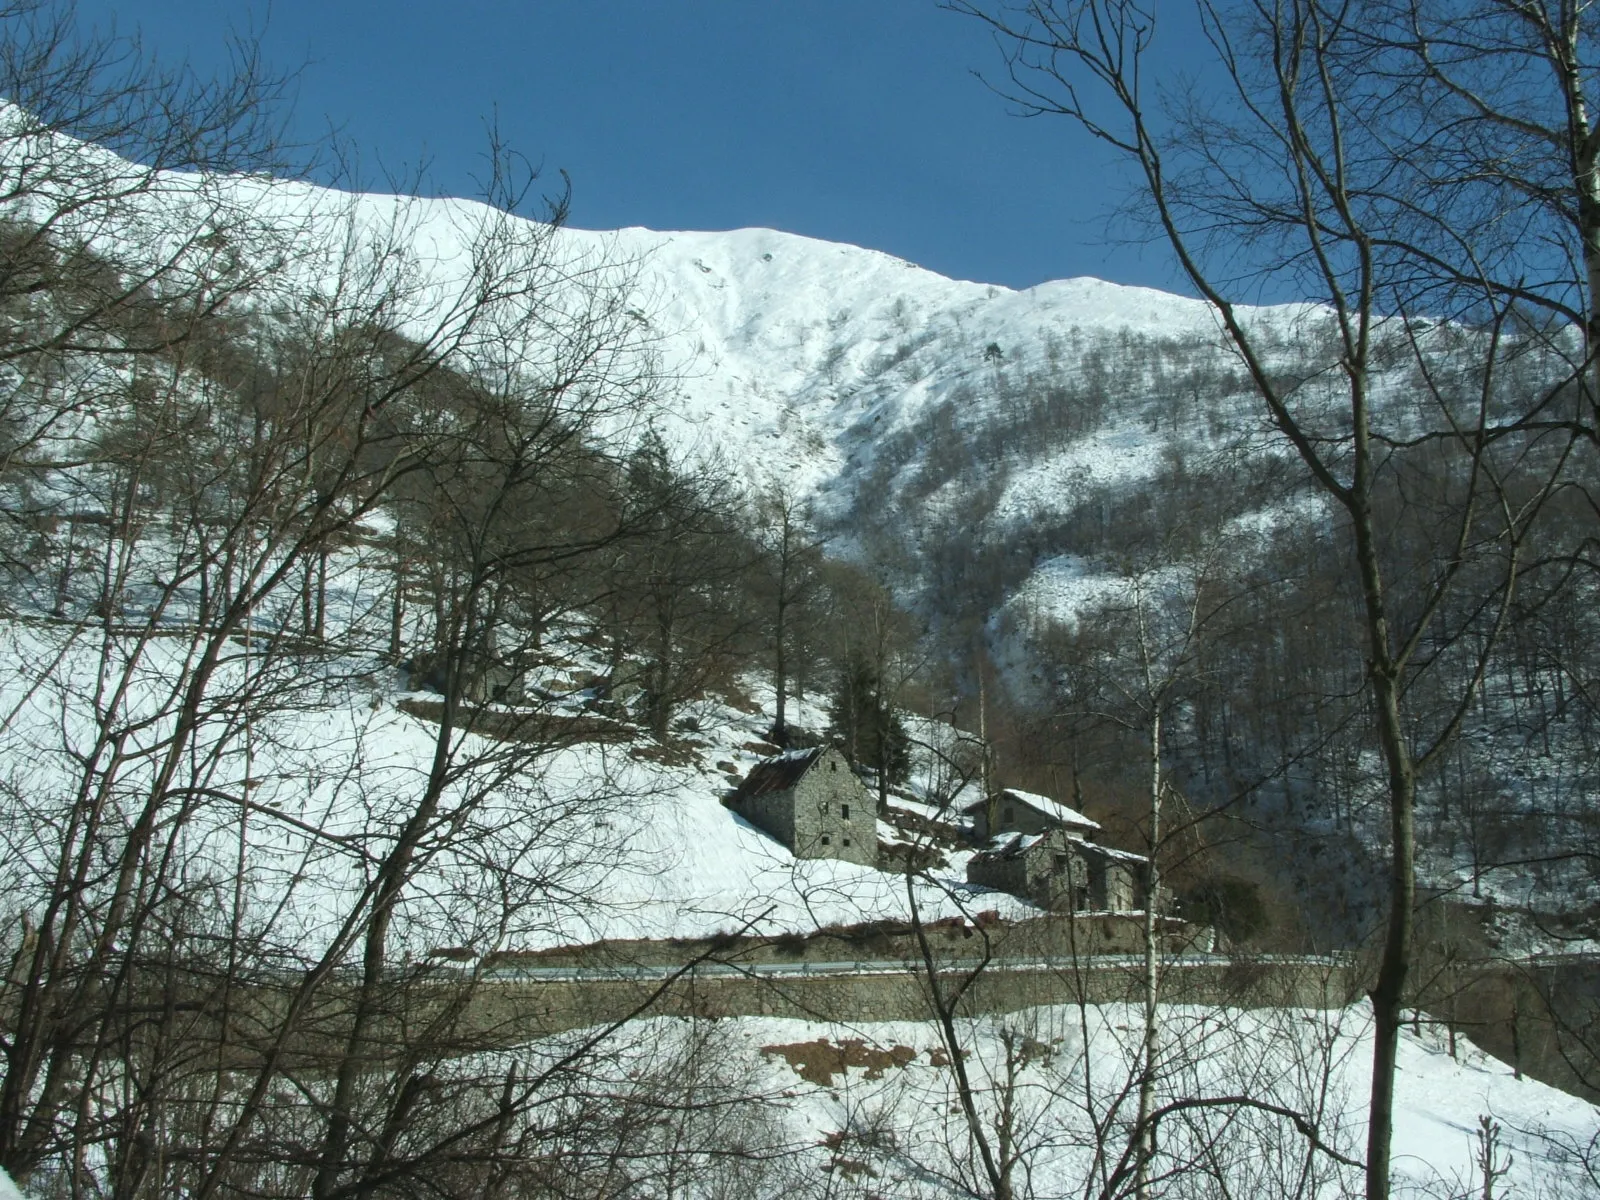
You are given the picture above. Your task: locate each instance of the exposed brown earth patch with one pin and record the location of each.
(850, 1168)
(819, 1061)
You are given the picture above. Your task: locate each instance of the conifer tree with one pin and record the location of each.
(862, 718)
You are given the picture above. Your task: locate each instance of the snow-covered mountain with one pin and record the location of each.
(794, 353)
(992, 454)
(842, 373)
(798, 358)
(342, 585)
(808, 364)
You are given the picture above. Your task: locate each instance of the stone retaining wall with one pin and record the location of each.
(511, 1011)
(1064, 936)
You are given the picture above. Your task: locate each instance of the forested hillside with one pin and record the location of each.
(394, 588)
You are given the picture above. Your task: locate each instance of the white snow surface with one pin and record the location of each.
(751, 315)
(785, 350)
(900, 1119)
(591, 843)
(790, 359)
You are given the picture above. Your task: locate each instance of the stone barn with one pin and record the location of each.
(1045, 868)
(812, 802)
(1061, 873)
(1013, 810)
(1115, 878)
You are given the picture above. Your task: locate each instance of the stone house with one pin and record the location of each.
(812, 802)
(1116, 878)
(1042, 867)
(1061, 873)
(1017, 811)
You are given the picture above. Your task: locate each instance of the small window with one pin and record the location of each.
(846, 841)
(844, 811)
(832, 765)
(825, 839)
(1061, 862)
(823, 808)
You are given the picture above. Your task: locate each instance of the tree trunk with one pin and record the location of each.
(885, 722)
(1151, 1047)
(394, 874)
(1388, 993)
(397, 610)
(319, 624)
(1565, 59)
(779, 735)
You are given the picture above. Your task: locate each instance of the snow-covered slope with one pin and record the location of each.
(931, 416)
(791, 359)
(598, 842)
(875, 1103)
(786, 353)
(792, 350)
(827, 367)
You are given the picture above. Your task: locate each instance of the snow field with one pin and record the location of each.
(582, 843)
(878, 1101)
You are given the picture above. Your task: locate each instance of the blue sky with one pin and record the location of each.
(853, 120)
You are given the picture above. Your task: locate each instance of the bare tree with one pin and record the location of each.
(223, 981)
(794, 553)
(1165, 632)
(681, 582)
(1280, 167)
(1488, 108)
(877, 659)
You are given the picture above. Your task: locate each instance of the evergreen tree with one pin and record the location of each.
(861, 717)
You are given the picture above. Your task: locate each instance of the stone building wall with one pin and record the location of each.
(1116, 883)
(1067, 934)
(512, 1011)
(1059, 875)
(772, 812)
(1051, 872)
(825, 813)
(833, 814)
(1063, 874)
(1000, 873)
(1010, 817)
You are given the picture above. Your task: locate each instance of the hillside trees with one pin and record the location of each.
(876, 658)
(680, 584)
(794, 554)
(1089, 1096)
(862, 715)
(512, 480)
(1284, 166)
(80, 302)
(1490, 106)
(228, 445)
(1157, 633)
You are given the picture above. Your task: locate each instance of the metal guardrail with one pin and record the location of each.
(805, 970)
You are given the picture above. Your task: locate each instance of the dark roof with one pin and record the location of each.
(777, 774)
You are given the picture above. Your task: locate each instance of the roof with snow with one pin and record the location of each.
(1043, 805)
(1127, 856)
(1009, 845)
(778, 773)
